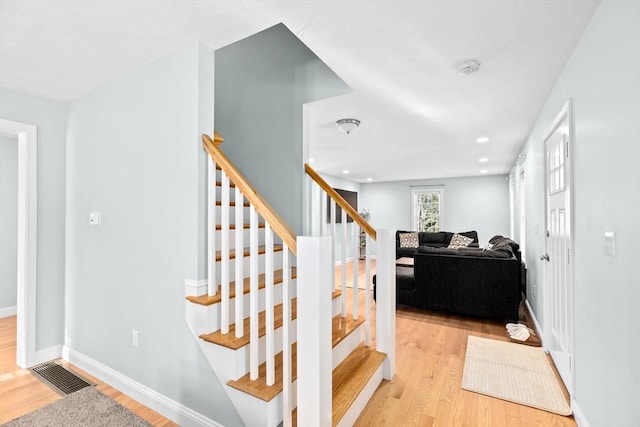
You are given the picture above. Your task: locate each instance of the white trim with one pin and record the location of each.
(195, 287)
(47, 354)
(535, 323)
(578, 415)
(169, 408)
(8, 311)
(27, 239)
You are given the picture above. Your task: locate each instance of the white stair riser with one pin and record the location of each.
(277, 265)
(207, 318)
(258, 413)
(232, 238)
(346, 346)
(234, 364)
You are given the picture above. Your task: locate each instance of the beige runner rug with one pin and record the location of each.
(514, 372)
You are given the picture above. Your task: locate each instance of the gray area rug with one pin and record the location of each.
(87, 407)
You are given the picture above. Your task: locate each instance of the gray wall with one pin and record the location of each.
(134, 153)
(261, 84)
(471, 203)
(602, 79)
(50, 118)
(8, 221)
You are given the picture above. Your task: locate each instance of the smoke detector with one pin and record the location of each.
(469, 67)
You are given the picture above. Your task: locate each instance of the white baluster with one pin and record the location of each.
(239, 250)
(211, 227)
(367, 285)
(286, 339)
(254, 309)
(355, 231)
(269, 303)
(224, 255)
(332, 233)
(343, 260)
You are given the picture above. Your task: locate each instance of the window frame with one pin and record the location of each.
(422, 190)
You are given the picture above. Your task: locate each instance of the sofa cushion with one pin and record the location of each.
(477, 252)
(408, 240)
(429, 237)
(459, 241)
(495, 240)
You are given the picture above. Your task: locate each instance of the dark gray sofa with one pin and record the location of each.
(468, 281)
(439, 239)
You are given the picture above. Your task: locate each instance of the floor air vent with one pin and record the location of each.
(59, 379)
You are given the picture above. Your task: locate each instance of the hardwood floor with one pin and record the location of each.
(426, 389)
(21, 392)
(424, 392)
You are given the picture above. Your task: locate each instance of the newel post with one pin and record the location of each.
(386, 299)
(314, 268)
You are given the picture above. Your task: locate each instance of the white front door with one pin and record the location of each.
(558, 291)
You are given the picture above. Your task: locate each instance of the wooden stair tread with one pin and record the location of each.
(342, 327)
(231, 341)
(210, 300)
(350, 377)
(259, 387)
(246, 252)
(233, 226)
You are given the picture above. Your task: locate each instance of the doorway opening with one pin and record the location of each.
(27, 138)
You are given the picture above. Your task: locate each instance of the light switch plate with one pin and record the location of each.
(609, 243)
(95, 218)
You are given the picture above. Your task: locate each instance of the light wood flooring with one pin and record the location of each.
(424, 392)
(21, 392)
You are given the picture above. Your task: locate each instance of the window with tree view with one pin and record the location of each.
(427, 209)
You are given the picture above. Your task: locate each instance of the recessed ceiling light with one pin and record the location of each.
(345, 172)
(369, 179)
(482, 139)
(483, 160)
(483, 171)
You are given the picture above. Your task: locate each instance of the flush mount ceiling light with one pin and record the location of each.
(348, 125)
(469, 67)
(482, 140)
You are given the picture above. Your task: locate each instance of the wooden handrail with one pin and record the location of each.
(340, 201)
(278, 225)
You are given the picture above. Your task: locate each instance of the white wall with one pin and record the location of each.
(262, 83)
(135, 154)
(50, 119)
(602, 79)
(471, 203)
(8, 223)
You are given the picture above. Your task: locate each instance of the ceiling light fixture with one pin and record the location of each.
(482, 139)
(484, 171)
(483, 160)
(348, 125)
(469, 66)
(346, 172)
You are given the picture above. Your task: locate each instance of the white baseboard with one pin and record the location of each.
(164, 405)
(578, 415)
(537, 325)
(8, 311)
(47, 354)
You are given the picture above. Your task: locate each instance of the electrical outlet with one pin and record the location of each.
(609, 247)
(135, 338)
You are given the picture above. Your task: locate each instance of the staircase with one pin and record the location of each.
(266, 287)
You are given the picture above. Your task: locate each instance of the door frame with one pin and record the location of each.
(565, 113)
(27, 136)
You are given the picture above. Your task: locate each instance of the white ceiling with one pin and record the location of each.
(420, 118)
